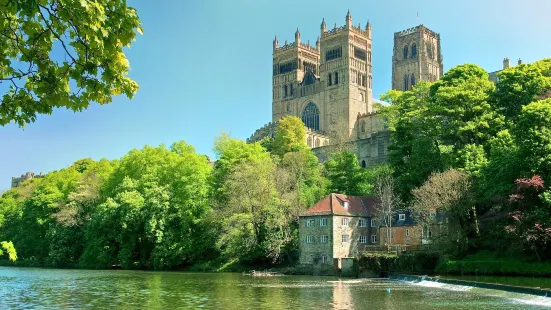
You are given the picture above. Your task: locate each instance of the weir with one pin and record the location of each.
(423, 279)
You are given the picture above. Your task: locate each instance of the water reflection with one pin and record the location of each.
(77, 289)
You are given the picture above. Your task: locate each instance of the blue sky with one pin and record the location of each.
(205, 67)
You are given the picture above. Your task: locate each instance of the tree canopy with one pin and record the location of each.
(63, 54)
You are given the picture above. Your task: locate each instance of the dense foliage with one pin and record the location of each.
(479, 155)
(63, 53)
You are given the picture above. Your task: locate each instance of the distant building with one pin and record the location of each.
(506, 64)
(417, 57)
(335, 228)
(16, 181)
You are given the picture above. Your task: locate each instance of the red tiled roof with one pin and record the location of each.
(334, 204)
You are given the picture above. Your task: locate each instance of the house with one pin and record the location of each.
(335, 228)
(405, 231)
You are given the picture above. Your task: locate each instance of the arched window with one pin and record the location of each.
(414, 50)
(363, 126)
(330, 81)
(317, 142)
(406, 52)
(309, 141)
(412, 80)
(311, 116)
(325, 143)
(363, 164)
(406, 80)
(284, 91)
(336, 78)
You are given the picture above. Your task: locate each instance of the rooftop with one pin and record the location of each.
(336, 204)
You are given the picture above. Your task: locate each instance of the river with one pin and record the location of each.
(31, 288)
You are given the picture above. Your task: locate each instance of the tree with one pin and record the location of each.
(388, 203)
(7, 246)
(90, 67)
(517, 87)
(345, 176)
(447, 194)
(290, 136)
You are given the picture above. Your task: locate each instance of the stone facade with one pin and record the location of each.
(16, 181)
(492, 76)
(417, 57)
(337, 227)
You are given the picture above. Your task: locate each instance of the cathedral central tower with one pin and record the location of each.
(327, 85)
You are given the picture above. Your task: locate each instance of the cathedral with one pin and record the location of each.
(329, 86)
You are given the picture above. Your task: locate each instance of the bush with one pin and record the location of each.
(419, 262)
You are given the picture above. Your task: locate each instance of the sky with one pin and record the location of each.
(204, 67)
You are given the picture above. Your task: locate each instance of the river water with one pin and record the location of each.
(31, 288)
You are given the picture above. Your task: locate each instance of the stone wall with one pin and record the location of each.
(311, 253)
(354, 231)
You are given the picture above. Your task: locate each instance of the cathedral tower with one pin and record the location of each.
(417, 57)
(328, 85)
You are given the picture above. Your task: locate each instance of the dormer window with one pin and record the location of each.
(401, 217)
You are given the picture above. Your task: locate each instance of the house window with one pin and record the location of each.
(345, 238)
(324, 259)
(373, 223)
(373, 238)
(324, 239)
(363, 223)
(401, 217)
(310, 223)
(323, 222)
(407, 232)
(344, 221)
(309, 239)
(363, 239)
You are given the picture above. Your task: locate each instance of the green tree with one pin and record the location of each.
(290, 136)
(345, 176)
(7, 246)
(91, 66)
(517, 87)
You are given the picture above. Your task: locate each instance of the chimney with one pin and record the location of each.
(346, 204)
(520, 61)
(505, 63)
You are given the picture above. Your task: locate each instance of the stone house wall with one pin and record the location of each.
(410, 235)
(354, 231)
(311, 253)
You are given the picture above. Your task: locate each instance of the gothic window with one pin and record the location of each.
(360, 53)
(370, 82)
(369, 56)
(325, 143)
(288, 66)
(336, 78)
(309, 141)
(406, 80)
(363, 164)
(359, 79)
(330, 80)
(317, 142)
(414, 50)
(284, 91)
(292, 90)
(361, 97)
(311, 116)
(288, 108)
(333, 54)
(364, 80)
(363, 126)
(406, 52)
(412, 80)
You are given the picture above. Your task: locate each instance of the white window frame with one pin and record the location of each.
(363, 239)
(363, 223)
(310, 239)
(401, 217)
(407, 232)
(345, 221)
(373, 238)
(373, 223)
(323, 221)
(324, 259)
(310, 222)
(324, 239)
(347, 238)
